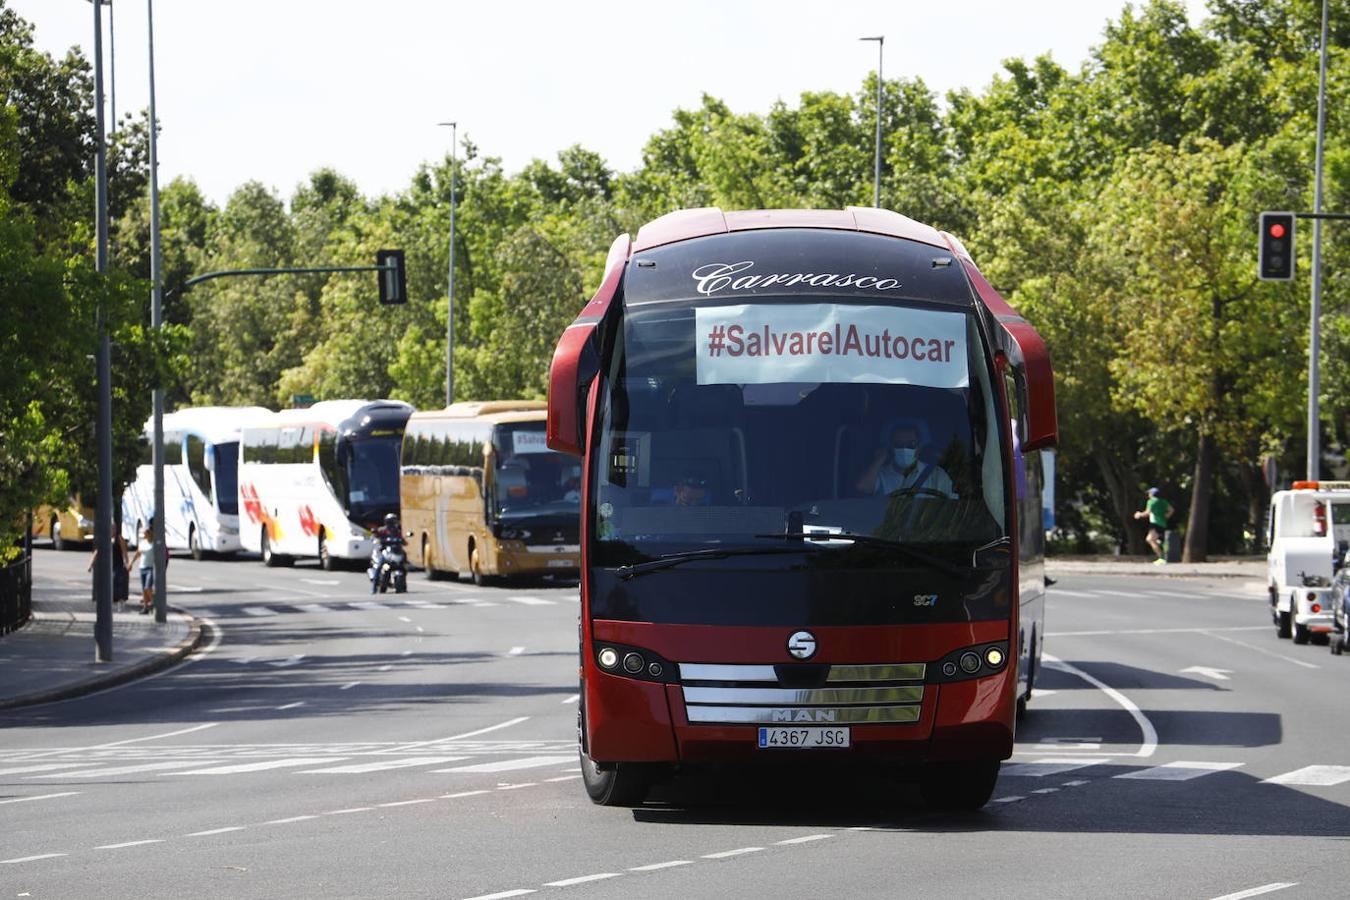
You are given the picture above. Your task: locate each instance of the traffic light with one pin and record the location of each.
(393, 278)
(1276, 258)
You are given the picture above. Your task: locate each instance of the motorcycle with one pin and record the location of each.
(389, 564)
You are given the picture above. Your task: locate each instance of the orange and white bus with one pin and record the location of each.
(483, 495)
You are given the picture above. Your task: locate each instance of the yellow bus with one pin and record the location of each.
(483, 495)
(69, 526)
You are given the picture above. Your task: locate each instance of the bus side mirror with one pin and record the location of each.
(577, 360)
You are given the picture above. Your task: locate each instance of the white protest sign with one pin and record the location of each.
(528, 442)
(763, 344)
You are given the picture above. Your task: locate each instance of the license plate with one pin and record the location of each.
(561, 564)
(803, 738)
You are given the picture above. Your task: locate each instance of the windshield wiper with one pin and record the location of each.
(868, 540)
(674, 559)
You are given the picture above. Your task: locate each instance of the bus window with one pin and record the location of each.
(530, 476)
(227, 477)
(173, 449)
(196, 462)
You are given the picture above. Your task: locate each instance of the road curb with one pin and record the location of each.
(196, 634)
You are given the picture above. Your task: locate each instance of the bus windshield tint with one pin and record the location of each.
(531, 479)
(372, 477)
(227, 477)
(720, 423)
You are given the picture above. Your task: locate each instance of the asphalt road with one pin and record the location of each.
(423, 745)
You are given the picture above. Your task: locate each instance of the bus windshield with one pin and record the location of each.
(372, 470)
(227, 477)
(734, 425)
(530, 479)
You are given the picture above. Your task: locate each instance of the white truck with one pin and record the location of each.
(1309, 537)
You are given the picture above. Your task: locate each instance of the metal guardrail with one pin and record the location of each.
(16, 590)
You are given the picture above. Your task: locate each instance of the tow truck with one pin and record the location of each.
(1310, 534)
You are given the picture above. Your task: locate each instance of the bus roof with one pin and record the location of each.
(497, 411)
(327, 412)
(691, 223)
(214, 424)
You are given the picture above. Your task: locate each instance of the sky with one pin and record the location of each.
(271, 90)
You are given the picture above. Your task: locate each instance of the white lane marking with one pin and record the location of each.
(1290, 659)
(1181, 770)
(532, 601)
(485, 603)
(351, 809)
(289, 821)
(1149, 745)
(1108, 633)
(1078, 783)
(322, 581)
(293, 660)
(515, 651)
(463, 794)
(130, 844)
(1313, 776)
(421, 604)
(362, 768)
(729, 853)
(1012, 799)
(291, 705)
(502, 895)
(405, 619)
(155, 737)
(349, 685)
(312, 607)
(806, 840)
(406, 653)
(385, 668)
(186, 588)
(456, 737)
(1061, 592)
(44, 767)
(407, 802)
(1046, 791)
(420, 629)
(262, 766)
(23, 859)
(516, 787)
(1177, 594)
(259, 611)
(1106, 593)
(41, 797)
(572, 699)
(367, 604)
(124, 770)
(1258, 891)
(562, 778)
(1044, 767)
(568, 882)
(212, 831)
(658, 866)
(1207, 672)
(508, 765)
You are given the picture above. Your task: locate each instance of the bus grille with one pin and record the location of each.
(888, 693)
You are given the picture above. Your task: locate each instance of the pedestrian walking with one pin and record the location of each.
(1157, 511)
(121, 589)
(146, 554)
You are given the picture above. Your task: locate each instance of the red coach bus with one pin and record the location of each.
(811, 517)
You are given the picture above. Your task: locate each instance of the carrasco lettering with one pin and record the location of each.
(715, 277)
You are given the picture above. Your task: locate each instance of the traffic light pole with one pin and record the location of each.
(1315, 330)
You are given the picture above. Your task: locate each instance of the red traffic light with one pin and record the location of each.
(1277, 230)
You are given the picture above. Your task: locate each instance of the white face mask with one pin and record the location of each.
(904, 456)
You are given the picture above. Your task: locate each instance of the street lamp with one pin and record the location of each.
(450, 306)
(876, 186)
(161, 557)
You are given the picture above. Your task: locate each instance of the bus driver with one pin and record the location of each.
(897, 464)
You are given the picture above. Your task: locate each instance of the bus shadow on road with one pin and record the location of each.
(1121, 677)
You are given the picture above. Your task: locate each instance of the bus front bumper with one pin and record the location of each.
(516, 558)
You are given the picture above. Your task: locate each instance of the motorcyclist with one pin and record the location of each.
(391, 532)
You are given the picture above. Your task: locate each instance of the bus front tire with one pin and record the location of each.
(194, 545)
(622, 784)
(959, 786)
(476, 571)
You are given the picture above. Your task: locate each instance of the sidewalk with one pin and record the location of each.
(1228, 567)
(52, 656)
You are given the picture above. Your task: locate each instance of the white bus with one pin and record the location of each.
(201, 494)
(314, 482)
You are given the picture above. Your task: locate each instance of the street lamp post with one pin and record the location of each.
(1315, 326)
(876, 177)
(103, 524)
(450, 306)
(161, 557)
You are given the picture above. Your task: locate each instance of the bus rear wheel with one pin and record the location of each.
(326, 560)
(270, 559)
(621, 784)
(959, 786)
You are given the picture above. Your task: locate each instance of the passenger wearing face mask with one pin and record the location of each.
(897, 466)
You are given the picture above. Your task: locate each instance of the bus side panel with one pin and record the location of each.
(417, 501)
(627, 720)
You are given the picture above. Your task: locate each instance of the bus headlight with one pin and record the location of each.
(970, 663)
(993, 657)
(609, 658)
(633, 662)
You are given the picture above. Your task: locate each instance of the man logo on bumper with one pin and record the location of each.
(804, 715)
(802, 644)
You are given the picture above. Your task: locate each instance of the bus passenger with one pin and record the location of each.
(898, 465)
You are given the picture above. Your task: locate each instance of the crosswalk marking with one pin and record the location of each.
(1313, 776)
(367, 604)
(1044, 767)
(510, 765)
(362, 768)
(1181, 770)
(260, 766)
(312, 607)
(123, 770)
(45, 767)
(259, 611)
(531, 601)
